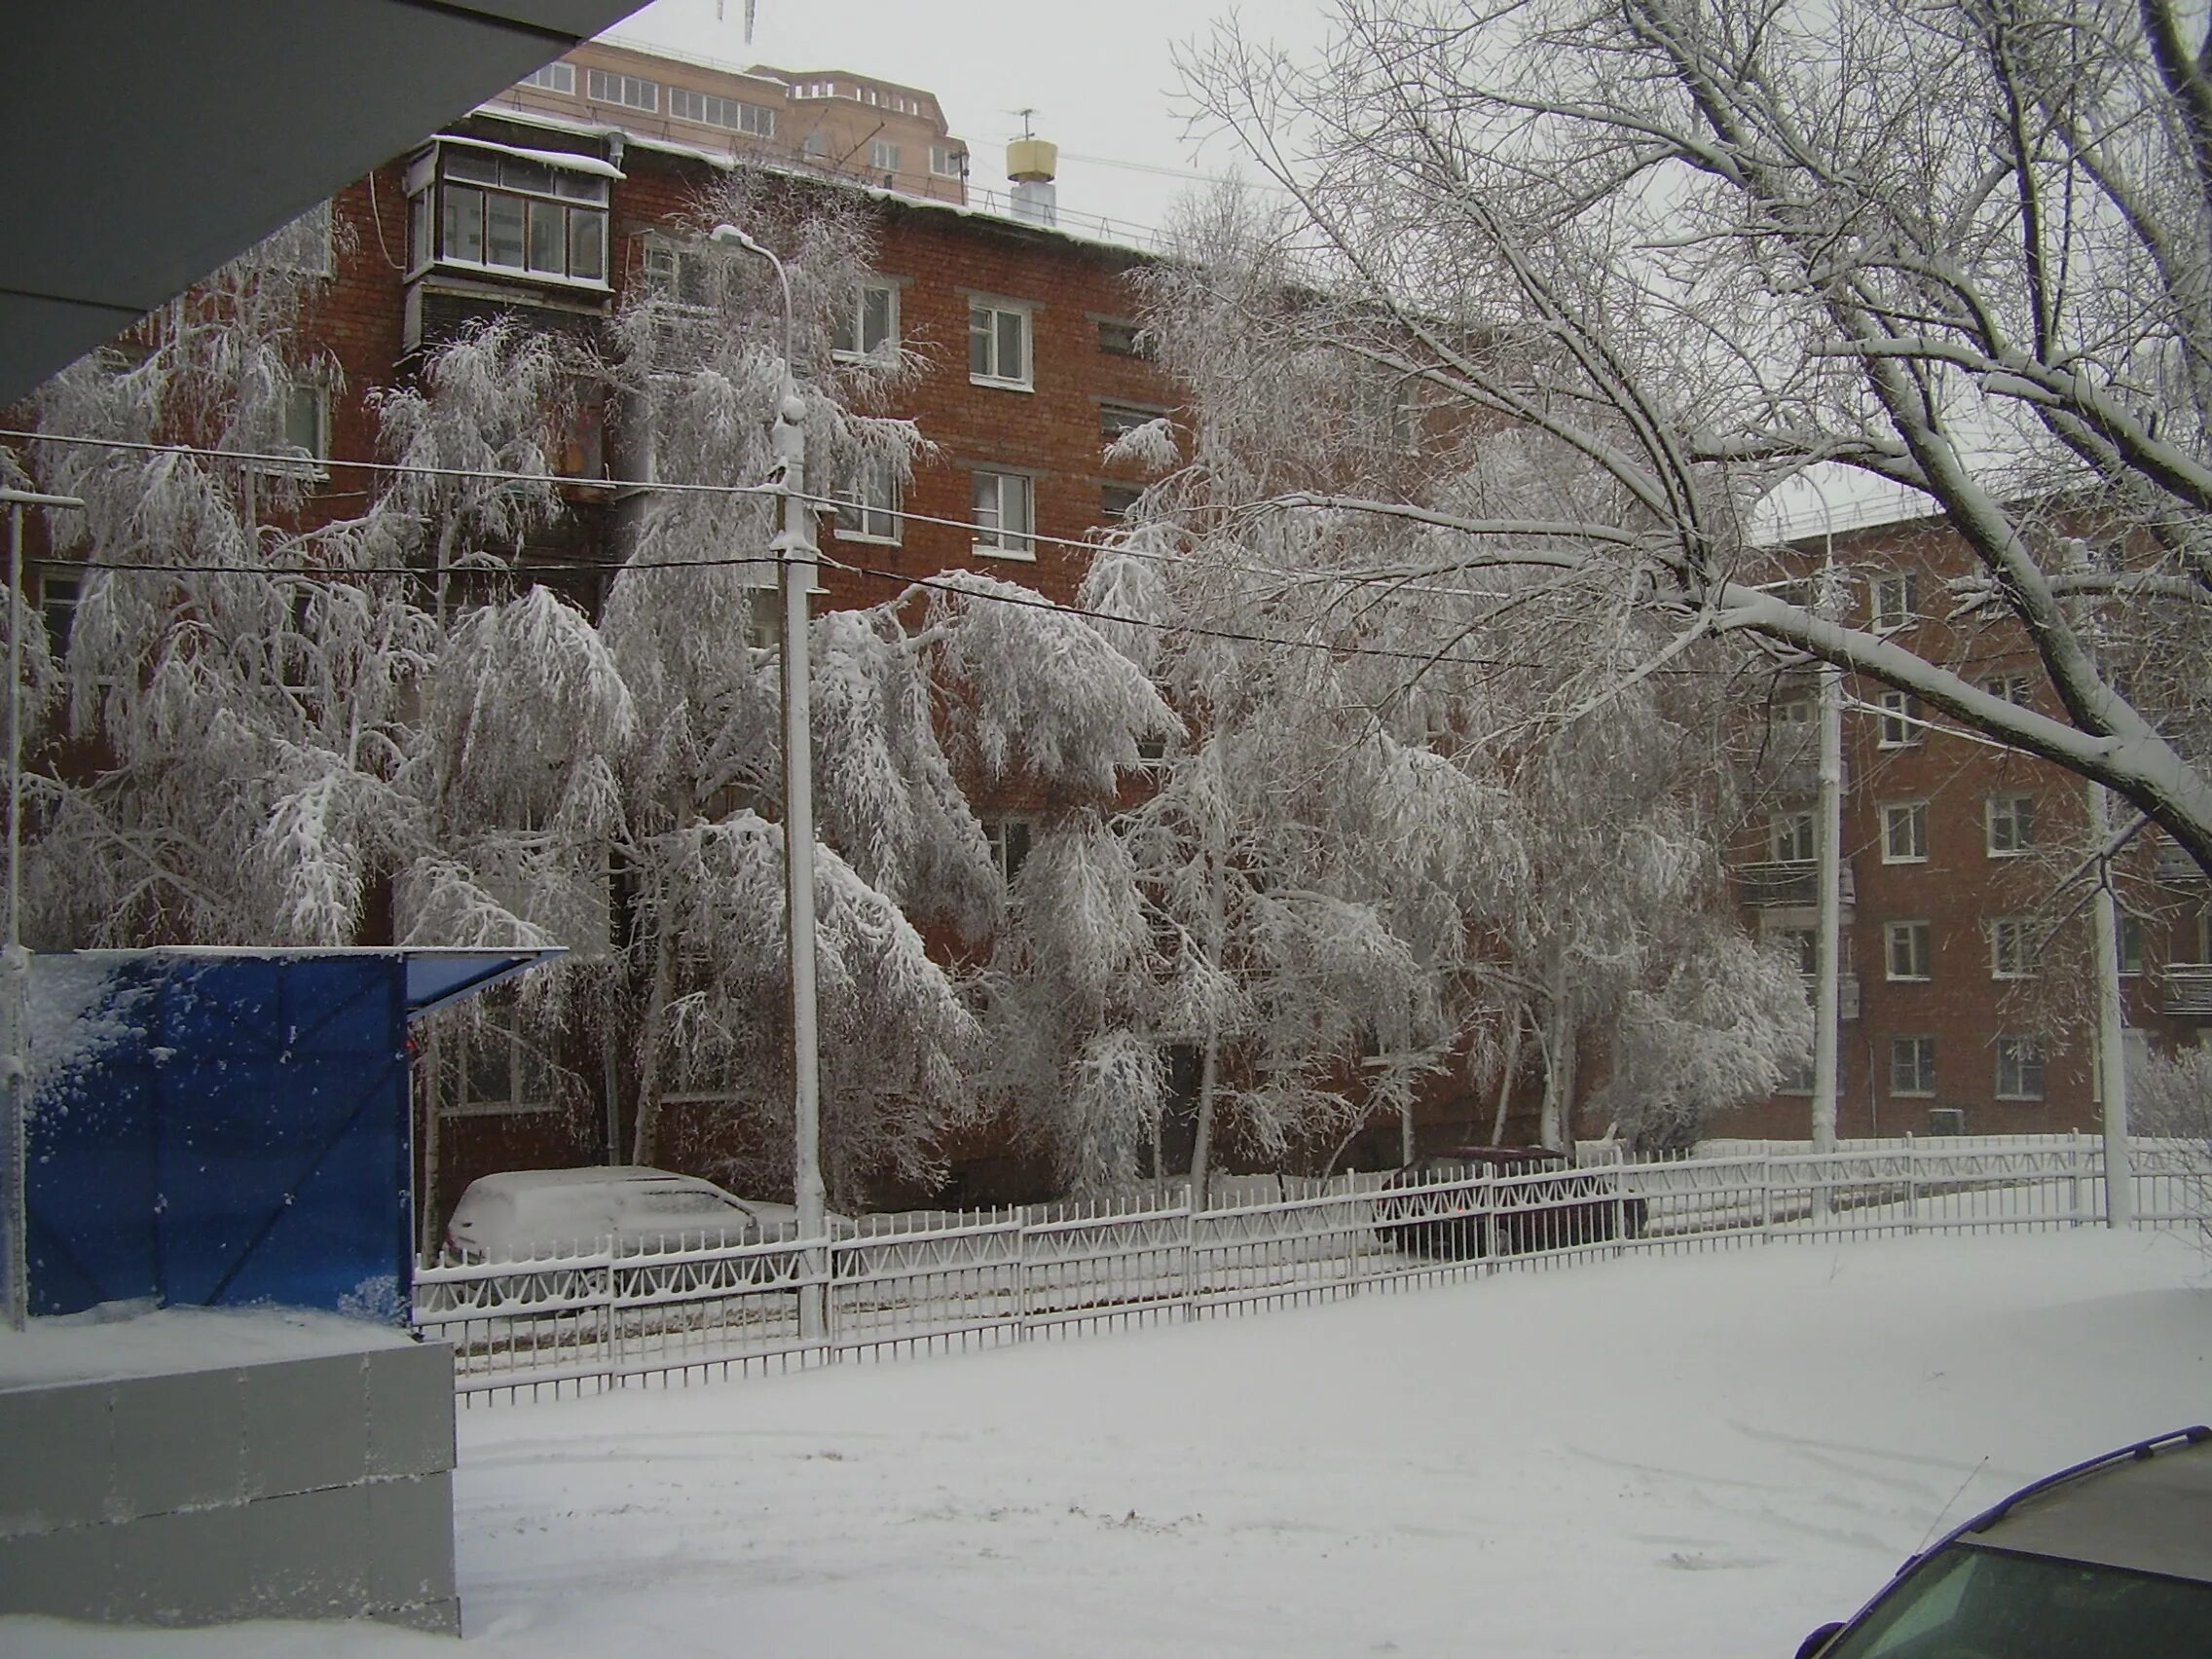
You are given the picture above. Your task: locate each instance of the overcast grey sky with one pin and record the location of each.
(1099, 76)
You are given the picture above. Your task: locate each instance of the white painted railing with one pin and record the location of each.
(601, 1318)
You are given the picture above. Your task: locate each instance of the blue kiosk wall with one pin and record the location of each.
(228, 1127)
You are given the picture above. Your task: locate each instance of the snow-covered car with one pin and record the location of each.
(525, 1214)
(2111, 1556)
(1425, 1209)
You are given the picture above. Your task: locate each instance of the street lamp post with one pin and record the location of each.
(14, 964)
(796, 563)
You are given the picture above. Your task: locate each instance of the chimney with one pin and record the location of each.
(1030, 164)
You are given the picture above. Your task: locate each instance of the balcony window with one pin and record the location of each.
(677, 276)
(1790, 837)
(882, 156)
(733, 115)
(605, 85)
(948, 161)
(489, 209)
(553, 78)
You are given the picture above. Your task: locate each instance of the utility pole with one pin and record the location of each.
(2112, 1040)
(797, 561)
(1829, 848)
(15, 961)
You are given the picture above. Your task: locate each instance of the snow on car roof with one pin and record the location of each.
(2148, 1513)
(592, 1175)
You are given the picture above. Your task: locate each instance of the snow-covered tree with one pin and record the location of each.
(1956, 251)
(1420, 813)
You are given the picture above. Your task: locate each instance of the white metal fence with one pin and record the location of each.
(605, 1317)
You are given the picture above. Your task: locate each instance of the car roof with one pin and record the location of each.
(2146, 1508)
(592, 1175)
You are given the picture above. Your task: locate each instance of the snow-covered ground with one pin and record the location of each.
(1684, 1456)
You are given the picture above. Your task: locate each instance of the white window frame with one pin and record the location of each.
(305, 462)
(669, 268)
(1899, 718)
(2013, 947)
(2019, 1068)
(1009, 839)
(983, 323)
(2127, 941)
(948, 161)
(1918, 939)
(719, 110)
(1914, 815)
(1923, 1066)
(995, 538)
(870, 506)
(883, 156)
(559, 76)
(2016, 838)
(1890, 599)
(59, 594)
(860, 350)
(626, 91)
(2011, 688)
(1788, 829)
(436, 180)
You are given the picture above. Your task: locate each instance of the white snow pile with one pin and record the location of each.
(1694, 1455)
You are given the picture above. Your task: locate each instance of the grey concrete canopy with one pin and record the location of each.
(148, 141)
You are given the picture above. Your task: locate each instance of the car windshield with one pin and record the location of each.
(1966, 1602)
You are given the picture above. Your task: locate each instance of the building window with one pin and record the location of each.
(871, 323)
(486, 209)
(1904, 833)
(1802, 947)
(1005, 520)
(1900, 719)
(503, 1073)
(1796, 1076)
(2013, 947)
(1906, 950)
(1114, 500)
(1009, 841)
(731, 114)
(948, 161)
(605, 85)
(867, 509)
(1912, 1065)
(764, 619)
(2007, 687)
(2012, 824)
(1122, 339)
(2019, 1068)
(882, 156)
(59, 594)
(814, 147)
(553, 78)
(1890, 599)
(677, 275)
(998, 343)
(1790, 837)
(1114, 419)
(303, 428)
(2130, 943)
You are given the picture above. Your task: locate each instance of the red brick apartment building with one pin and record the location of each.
(1968, 996)
(447, 233)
